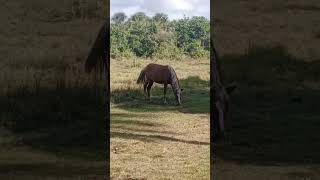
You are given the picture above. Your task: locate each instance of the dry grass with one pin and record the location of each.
(267, 22)
(152, 140)
(37, 50)
(275, 118)
(264, 122)
(229, 171)
(127, 70)
(42, 81)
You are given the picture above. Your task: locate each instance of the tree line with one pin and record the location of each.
(158, 37)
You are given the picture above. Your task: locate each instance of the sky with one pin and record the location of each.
(175, 9)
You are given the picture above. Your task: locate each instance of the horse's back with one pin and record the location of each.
(158, 73)
(153, 66)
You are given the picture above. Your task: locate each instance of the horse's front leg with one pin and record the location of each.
(145, 89)
(149, 88)
(164, 92)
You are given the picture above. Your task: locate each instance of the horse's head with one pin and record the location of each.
(175, 85)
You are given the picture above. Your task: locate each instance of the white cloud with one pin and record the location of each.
(174, 8)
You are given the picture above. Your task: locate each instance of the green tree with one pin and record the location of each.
(200, 30)
(139, 16)
(192, 34)
(119, 17)
(143, 36)
(119, 40)
(161, 17)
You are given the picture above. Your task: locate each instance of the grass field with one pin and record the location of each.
(275, 117)
(153, 140)
(275, 108)
(51, 111)
(43, 135)
(293, 24)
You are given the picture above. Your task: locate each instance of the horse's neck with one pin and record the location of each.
(175, 83)
(174, 79)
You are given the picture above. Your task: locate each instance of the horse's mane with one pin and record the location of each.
(174, 79)
(98, 53)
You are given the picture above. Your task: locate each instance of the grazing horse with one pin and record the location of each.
(220, 98)
(160, 74)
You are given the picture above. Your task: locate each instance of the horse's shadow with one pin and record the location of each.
(195, 98)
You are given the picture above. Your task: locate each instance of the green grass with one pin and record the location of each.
(195, 97)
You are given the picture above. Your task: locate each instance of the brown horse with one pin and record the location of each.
(162, 75)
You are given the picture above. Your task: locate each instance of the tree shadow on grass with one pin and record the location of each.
(154, 138)
(67, 122)
(131, 120)
(195, 98)
(126, 126)
(275, 116)
(271, 128)
(51, 169)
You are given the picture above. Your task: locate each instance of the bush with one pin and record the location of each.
(195, 50)
(168, 52)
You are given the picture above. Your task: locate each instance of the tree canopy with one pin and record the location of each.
(157, 36)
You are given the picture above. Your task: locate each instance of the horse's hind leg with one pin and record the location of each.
(149, 88)
(164, 92)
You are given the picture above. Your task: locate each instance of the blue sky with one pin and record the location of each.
(175, 9)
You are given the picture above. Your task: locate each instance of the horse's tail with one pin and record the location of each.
(142, 77)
